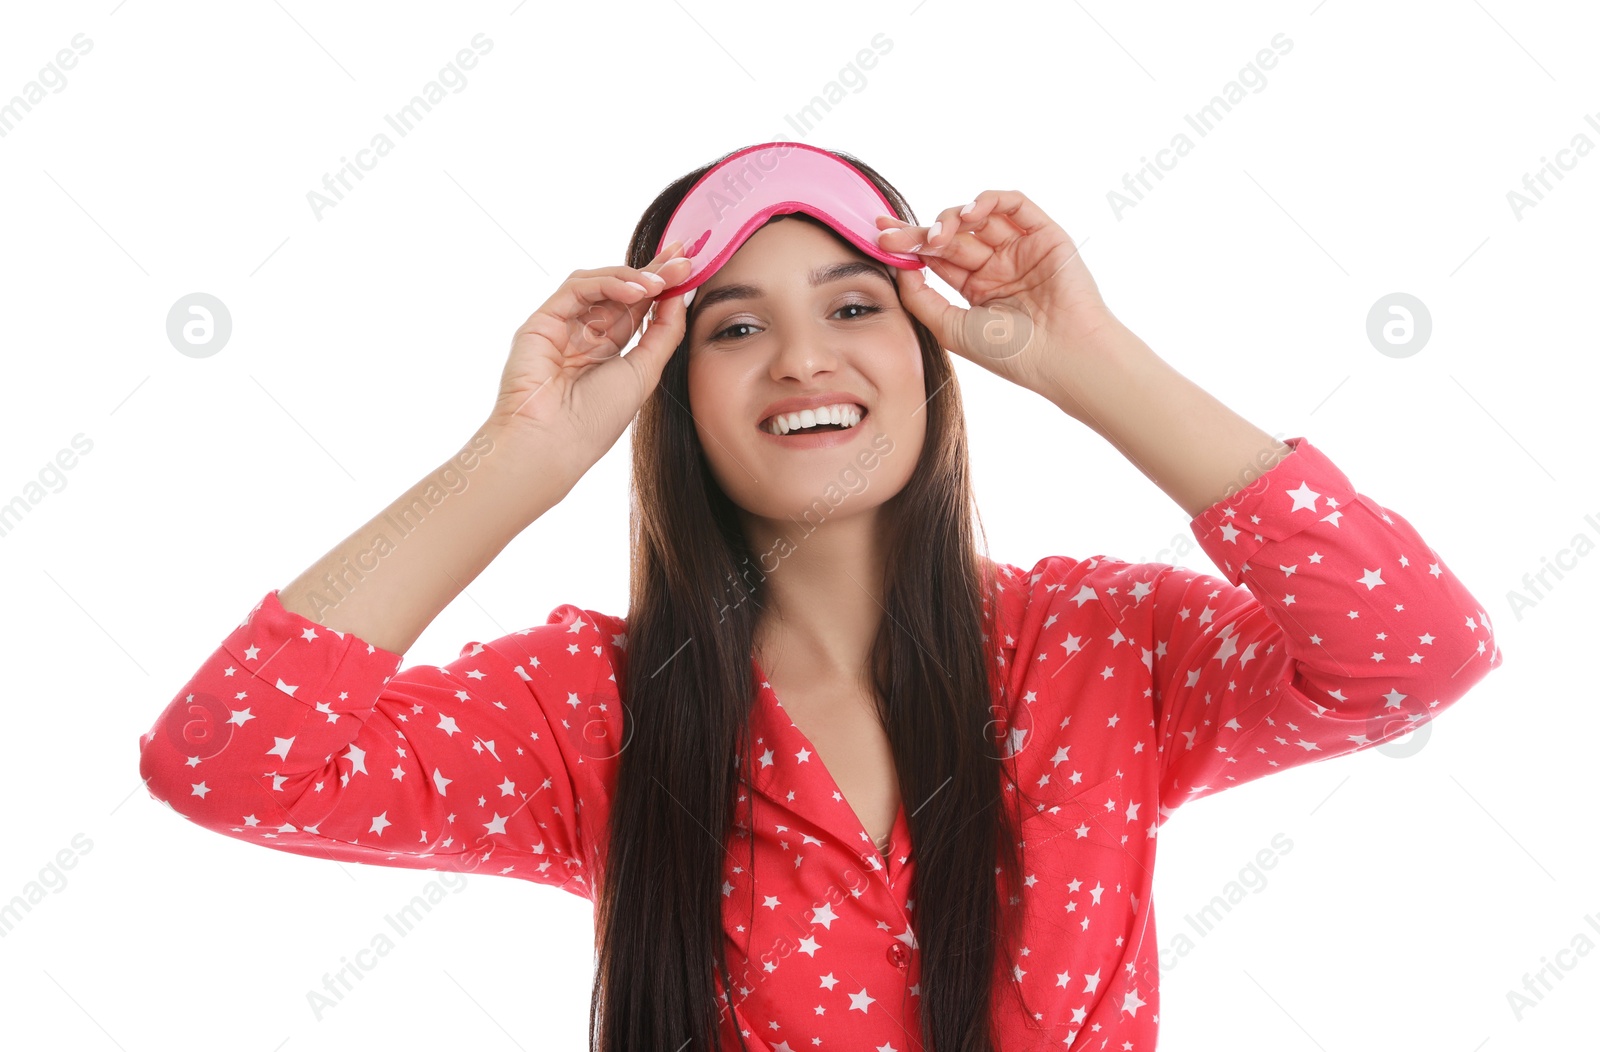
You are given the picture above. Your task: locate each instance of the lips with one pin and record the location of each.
(815, 401)
(843, 416)
(850, 415)
(816, 438)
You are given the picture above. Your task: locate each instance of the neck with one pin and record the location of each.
(824, 596)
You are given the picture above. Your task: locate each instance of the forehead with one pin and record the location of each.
(790, 253)
(781, 243)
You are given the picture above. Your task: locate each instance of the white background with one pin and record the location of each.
(367, 346)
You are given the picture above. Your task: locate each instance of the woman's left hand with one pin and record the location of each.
(1033, 305)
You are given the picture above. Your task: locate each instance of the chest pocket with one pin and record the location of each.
(1079, 877)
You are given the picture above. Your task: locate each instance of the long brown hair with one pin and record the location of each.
(696, 592)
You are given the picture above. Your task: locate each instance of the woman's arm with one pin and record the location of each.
(1185, 441)
(1037, 319)
(388, 580)
(1334, 627)
(301, 732)
(303, 739)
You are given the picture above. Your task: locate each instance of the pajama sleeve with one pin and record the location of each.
(1337, 628)
(303, 739)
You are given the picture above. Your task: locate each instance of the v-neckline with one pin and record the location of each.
(899, 835)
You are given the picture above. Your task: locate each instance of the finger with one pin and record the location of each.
(1013, 207)
(653, 278)
(587, 287)
(993, 232)
(608, 308)
(668, 250)
(900, 236)
(661, 273)
(942, 317)
(994, 228)
(605, 311)
(951, 237)
(662, 258)
(583, 312)
(993, 217)
(662, 334)
(657, 261)
(953, 275)
(587, 296)
(938, 240)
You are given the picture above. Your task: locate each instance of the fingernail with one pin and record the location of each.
(653, 276)
(933, 231)
(636, 285)
(970, 206)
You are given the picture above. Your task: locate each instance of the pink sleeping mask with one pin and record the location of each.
(732, 200)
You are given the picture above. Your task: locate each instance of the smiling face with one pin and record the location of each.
(798, 316)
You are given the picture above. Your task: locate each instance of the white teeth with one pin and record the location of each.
(842, 414)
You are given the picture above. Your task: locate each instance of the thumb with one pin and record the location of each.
(941, 316)
(662, 332)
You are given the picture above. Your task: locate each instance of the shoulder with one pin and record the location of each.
(575, 648)
(1063, 582)
(1060, 597)
(571, 667)
(581, 623)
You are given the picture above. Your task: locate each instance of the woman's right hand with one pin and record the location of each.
(567, 380)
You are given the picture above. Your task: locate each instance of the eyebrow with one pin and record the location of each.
(820, 276)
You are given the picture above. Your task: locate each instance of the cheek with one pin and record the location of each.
(916, 389)
(702, 389)
(711, 403)
(695, 380)
(911, 370)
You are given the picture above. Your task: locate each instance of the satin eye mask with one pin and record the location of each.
(732, 200)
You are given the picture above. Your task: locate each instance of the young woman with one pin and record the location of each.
(838, 780)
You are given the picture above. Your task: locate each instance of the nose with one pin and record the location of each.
(803, 353)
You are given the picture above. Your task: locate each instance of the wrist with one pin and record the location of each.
(527, 463)
(1096, 361)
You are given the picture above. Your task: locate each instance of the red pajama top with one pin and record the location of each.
(1136, 687)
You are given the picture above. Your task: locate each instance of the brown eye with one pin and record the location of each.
(722, 334)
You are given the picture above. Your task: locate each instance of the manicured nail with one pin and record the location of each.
(970, 206)
(653, 276)
(933, 231)
(636, 285)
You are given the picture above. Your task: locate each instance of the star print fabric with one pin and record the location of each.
(1134, 689)
(308, 740)
(1146, 686)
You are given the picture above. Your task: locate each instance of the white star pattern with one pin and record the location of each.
(1128, 690)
